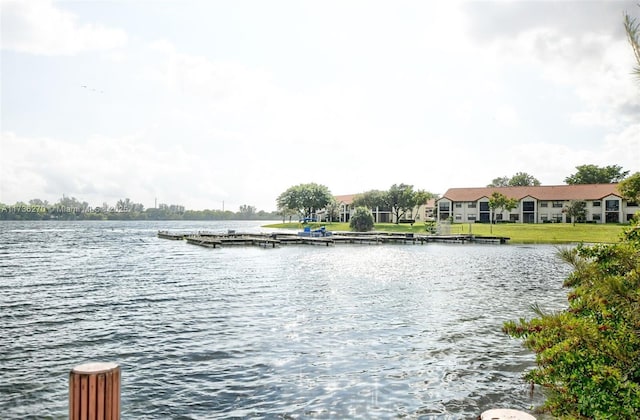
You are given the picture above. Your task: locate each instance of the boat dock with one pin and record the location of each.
(275, 239)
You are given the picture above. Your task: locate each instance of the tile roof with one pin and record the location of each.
(543, 192)
(348, 199)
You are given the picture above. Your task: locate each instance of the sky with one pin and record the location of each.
(219, 104)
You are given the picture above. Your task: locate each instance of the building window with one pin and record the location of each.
(557, 204)
(612, 205)
(596, 204)
(557, 217)
(471, 205)
(484, 206)
(471, 217)
(596, 217)
(514, 217)
(458, 205)
(544, 204)
(458, 217)
(528, 206)
(444, 206)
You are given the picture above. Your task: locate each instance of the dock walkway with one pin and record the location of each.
(273, 240)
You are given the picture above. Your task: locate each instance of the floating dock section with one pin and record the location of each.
(273, 240)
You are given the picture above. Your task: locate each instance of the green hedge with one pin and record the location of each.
(588, 356)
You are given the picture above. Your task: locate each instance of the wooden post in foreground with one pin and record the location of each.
(94, 392)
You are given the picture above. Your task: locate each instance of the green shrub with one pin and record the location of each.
(588, 356)
(361, 220)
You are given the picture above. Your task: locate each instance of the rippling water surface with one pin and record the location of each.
(349, 331)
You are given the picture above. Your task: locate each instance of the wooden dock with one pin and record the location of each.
(273, 240)
(173, 236)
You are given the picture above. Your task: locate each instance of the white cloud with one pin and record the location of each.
(195, 120)
(38, 27)
(623, 148)
(224, 85)
(596, 66)
(552, 163)
(104, 169)
(507, 116)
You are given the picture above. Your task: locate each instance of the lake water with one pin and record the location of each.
(349, 331)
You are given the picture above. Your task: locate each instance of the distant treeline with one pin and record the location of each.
(69, 208)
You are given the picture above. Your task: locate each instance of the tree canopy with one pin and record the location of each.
(630, 187)
(70, 208)
(523, 179)
(371, 199)
(399, 199)
(520, 179)
(403, 198)
(305, 199)
(594, 174)
(501, 202)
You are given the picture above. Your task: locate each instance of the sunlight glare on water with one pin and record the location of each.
(348, 331)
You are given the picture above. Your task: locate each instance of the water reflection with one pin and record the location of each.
(346, 331)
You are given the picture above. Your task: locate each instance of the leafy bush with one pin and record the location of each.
(361, 220)
(588, 356)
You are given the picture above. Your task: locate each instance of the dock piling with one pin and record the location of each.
(94, 392)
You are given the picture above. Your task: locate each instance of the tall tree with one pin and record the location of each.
(520, 179)
(523, 179)
(422, 197)
(630, 188)
(246, 211)
(594, 174)
(401, 198)
(501, 181)
(304, 198)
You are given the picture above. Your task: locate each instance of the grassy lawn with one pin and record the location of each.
(548, 233)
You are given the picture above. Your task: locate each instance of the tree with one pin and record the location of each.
(593, 174)
(401, 198)
(577, 210)
(588, 356)
(371, 199)
(38, 202)
(361, 220)
(520, 179)
(523, 179)
(287, 212)
(501, 202)
(332, 209)
(422, 197)
(630, 188)
(70, 208)
(501, 181)
(304, 198)
(247, 211)
(632, 27)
